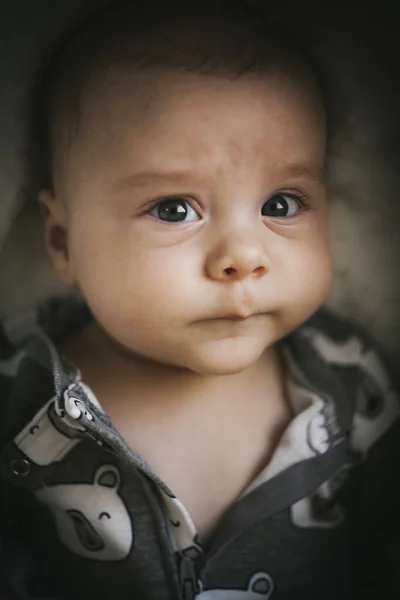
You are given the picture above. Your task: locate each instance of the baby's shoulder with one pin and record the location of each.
(337, 326)
(342, 341)
(25, 382)
(363, 369)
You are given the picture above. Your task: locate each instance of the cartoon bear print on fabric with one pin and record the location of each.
(376, 408)
(91, 518)
(181, 526)
(260, 587)
(377, 404)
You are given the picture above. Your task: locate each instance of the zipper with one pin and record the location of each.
(66, 409)
(66, 405)
(186, 560)
(188, 577)
(72, 406)
(69, 394)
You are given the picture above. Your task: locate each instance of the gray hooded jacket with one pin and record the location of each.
(84, 516)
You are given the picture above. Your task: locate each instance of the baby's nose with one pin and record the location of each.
(236, 260)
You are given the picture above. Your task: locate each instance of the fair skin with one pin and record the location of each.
(183, 351)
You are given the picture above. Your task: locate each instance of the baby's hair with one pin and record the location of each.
(218, 38)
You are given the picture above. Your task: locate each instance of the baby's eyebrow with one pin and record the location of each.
(316, 172)
(311, 171)
(145, 177)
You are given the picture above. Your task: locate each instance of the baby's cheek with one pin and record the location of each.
(129, 291)
(324, 263)
(305, 283)
(316, 273)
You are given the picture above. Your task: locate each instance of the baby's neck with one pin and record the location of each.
(207, 437)
(122, 381)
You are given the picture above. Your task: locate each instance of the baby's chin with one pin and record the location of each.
(209, 349)
(224, 357)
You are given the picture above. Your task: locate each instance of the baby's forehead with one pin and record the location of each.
(195, 124)
(139, 100)
(128, 75)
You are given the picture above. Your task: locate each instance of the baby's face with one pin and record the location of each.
(197, 234)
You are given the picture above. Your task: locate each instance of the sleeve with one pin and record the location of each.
(371, 494)
(374, 512)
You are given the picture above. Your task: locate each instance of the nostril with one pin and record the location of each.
(260, 271)
(229, 271)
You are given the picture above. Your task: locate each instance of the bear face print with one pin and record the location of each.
(377, 404)
(260, 587)
(182, 529)
(91, 519)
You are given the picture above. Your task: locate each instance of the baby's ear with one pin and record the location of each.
(56, 235)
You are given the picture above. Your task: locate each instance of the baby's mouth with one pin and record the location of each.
(234, 317)
(239, 315)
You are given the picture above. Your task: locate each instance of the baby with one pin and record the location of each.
(193, 424)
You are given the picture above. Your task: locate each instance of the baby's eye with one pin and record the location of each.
(174, 210)
(281, 205)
